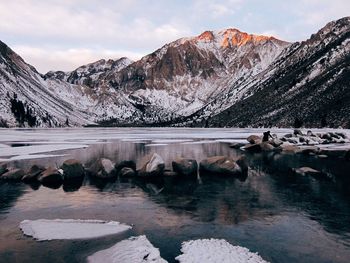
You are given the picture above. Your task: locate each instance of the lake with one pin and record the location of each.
(283, 216)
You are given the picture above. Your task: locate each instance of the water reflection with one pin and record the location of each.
(271, 210)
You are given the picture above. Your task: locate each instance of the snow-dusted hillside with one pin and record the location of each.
(308, 85)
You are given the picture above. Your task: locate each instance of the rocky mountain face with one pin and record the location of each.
(219, 78)
(309, 84)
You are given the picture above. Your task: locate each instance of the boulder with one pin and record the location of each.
(13, 174)
(252, 148)
(307, 171)
(254, 139)
(50, 176)
(3, 168)
(287, 148)
(152, 165)
(220, 165)
(342, 135)
(185, 167)
(123, 164)
(298, 132)
(276, 142)
(310, 134)
(72, 169)
(33, 173)
(288, 135)
(103, 168)
(266, 147)
(126, 172)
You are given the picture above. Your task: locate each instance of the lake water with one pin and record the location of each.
(282, 216)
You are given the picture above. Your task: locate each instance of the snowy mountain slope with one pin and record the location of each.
(309, 84)
(183, 76)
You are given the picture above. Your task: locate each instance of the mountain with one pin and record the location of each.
(309, 84)
(218, 78)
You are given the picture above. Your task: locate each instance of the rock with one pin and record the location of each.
(252, 148)
(276, 142)
(288, 135)
(327, 137)
(185, 167)
(306, 171)
(126, 172)
(266, 147)
(309, 150)
(322, 156)
(3, 168)
(254, 139)
(72, 169)
(103, 168)
(237, 145)
(310, 134)
(220, 165)
(33, 173)
(13, 174)
(298, 132)
(170, 173)
(152, 165)
(50, 176)
(293, 141)
(333, 135)
(289, 148)
(342, 135)
(123, 164)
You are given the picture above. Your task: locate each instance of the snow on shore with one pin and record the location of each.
(132, 250)
(44, 229)
(216, 251)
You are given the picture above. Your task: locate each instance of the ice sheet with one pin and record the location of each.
(216, 251)
(133, 250)
(43, 229)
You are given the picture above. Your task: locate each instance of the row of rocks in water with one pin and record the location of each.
(151, 166)
(298, 143)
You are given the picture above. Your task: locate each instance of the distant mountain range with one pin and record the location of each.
(222, 78)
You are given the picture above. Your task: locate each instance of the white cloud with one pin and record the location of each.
(69, 59)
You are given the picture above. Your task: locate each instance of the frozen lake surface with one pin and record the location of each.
(282, 216)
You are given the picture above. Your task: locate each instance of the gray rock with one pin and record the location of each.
(13, 174)
(310, 134)
(152, 165)
(220, 165)
(254, 139)
(288, 135)
(72, 169)
(33, 173)
(126, 172)
(50, 176)
(103, 168)
(342, 135)
(276, 142)
(298, 132)
(307, 171)
(186, 167)
(3, 168)
(128, 164)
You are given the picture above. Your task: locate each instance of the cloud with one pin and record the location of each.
(69, 59)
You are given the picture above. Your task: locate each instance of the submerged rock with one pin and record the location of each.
(125, 164)
(126, 172)
(220, 165)
(3, 168)
(72, 169)
(50, 176)
(306, 171)
(103, 168)
(152, 165)
(13, 174)
(185, 167)
(33, 173)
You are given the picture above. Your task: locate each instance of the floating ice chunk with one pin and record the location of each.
(44, 229)
(216, 251)
(132, 250)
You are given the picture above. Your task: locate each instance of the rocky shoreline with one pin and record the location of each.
(153, 165)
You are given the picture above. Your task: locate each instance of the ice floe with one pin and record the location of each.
(132, 250)
(216, 251)
(43, 229)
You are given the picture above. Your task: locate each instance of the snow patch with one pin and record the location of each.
(216, 250)
(43, 229)
(132, 250)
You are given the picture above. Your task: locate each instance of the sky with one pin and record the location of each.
(64, 34)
